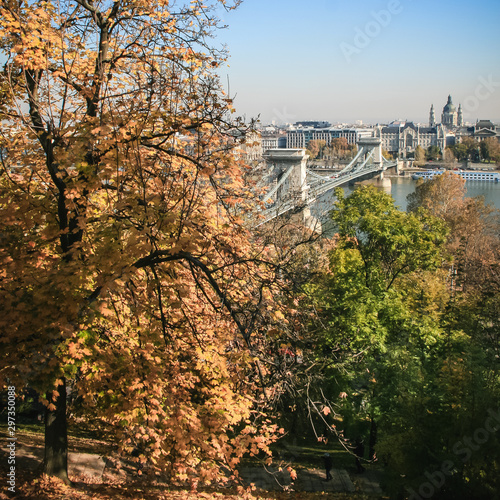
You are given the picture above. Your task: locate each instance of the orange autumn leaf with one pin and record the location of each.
(127, 266)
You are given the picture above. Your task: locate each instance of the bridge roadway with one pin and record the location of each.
(318, 186)
(343, 178)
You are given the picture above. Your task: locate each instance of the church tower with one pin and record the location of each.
(432, 117)
(449, 118)
(460, 119)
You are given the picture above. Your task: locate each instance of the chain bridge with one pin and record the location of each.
(293, 188)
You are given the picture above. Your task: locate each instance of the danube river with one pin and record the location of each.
(399, 188)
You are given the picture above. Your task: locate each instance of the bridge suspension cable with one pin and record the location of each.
(280, 183)
(368, 160)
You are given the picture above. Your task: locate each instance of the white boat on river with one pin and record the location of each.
(468, 175)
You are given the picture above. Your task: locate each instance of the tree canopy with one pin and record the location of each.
(128, 273)
(407, 358)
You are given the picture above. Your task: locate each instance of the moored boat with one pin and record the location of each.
(468, 175)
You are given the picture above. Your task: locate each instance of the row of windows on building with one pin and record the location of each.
(300, 138)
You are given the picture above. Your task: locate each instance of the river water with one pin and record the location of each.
(399, 188)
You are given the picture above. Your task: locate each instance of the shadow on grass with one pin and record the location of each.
(307, 452)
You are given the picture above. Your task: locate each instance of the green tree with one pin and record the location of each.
(473, 151)
(390, 242)
(461, 151)
(362, 313)
(395, 346)
(468, 376)
(433, 153)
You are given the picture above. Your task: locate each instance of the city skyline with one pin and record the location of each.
(374, 61)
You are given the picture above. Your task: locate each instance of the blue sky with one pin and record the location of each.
(369, 60)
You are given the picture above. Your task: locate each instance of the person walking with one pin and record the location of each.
(359, 452)
(328, 466)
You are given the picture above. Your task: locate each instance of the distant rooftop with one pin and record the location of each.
(314, 124)
(485, 124)
(397, 123)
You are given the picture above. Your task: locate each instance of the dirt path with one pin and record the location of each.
(92, 468)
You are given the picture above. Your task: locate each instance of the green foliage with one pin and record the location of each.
(468, 149)
(461, 151)
(389, 242)
(433, 153)
(486, 150)
(411, 358)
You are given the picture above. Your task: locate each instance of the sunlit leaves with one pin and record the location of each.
(126, 264)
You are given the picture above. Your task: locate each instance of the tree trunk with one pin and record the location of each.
(56, 437)
(372, 439)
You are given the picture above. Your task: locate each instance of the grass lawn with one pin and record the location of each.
(308, 453)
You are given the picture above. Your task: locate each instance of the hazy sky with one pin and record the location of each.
(369, 60)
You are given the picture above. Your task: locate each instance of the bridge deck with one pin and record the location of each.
(317, 187)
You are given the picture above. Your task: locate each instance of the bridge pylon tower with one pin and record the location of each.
(289, 189)
(371, 145)
(287, 174)
(293, 188)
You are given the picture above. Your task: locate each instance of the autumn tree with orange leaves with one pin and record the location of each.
(127, 270)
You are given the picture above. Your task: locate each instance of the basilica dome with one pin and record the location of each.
(450, 107)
